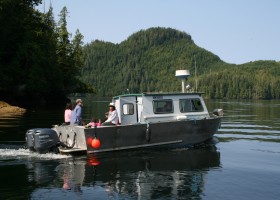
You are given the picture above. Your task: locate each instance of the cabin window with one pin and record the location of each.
(163, 106)
(128, 109)
(190, 105)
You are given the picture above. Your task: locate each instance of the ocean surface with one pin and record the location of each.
(241, 162)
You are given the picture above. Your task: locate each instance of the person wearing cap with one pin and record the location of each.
(113, 118)
(76, 115)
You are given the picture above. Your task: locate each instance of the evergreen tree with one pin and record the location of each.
(64, 50)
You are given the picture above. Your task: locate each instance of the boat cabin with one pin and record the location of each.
(159, 107)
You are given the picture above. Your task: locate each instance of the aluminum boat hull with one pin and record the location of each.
(122, 137)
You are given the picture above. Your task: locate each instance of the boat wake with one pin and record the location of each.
(8, 152)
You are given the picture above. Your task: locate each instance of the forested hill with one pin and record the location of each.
(148, 59)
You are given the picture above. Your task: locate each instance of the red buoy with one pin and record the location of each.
(95, 143)
(89, 141)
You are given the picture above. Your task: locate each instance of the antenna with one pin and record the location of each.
(183, 75)
(195, 74)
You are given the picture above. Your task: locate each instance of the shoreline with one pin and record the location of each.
(6, 108)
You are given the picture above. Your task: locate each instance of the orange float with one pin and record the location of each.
(95, 143)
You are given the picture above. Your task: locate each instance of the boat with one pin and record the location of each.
(146, 120)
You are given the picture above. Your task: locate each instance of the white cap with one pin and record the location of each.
(112, 104)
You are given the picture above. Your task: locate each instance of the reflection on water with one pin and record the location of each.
(167, 174)
(124, 175)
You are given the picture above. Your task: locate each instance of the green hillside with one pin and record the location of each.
(148, 59)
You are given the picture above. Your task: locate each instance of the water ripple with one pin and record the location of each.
(249, 131)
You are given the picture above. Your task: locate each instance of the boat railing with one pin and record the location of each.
(175, 117)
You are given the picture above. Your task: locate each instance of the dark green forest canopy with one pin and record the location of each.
(39, 62)
(148, 59)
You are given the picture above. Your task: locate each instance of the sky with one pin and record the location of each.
(238, 31)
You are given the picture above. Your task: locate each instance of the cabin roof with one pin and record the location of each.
(157, 94)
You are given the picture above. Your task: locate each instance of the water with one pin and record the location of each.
(242, 161)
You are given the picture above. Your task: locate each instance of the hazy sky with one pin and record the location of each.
(238, 31)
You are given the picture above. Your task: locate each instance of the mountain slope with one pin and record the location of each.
(148, 59)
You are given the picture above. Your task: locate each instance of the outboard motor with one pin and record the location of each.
(29, 137)
(42, 140)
